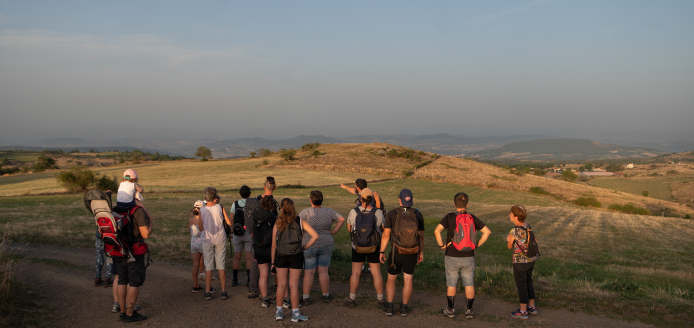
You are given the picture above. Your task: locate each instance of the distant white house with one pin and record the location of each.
(596, 174)
(630, 165)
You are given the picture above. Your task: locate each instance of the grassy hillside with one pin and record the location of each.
(565, 149)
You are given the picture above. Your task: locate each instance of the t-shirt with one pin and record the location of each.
(373, 201)
(448, 223)
(522, 235)
(352, 218)
(126, 192)
(321, 219)
(140, 219)
(276, 208)
(232, 211)
(212, 218)
(392, 216)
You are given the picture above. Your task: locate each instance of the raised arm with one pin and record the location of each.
(350, 189)
(309, 229)
(139, 188)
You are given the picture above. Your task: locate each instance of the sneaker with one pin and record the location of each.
(299, 317)
(305, 302)
(519, 315)
(469, 314)
(381, 303)
(404, 311)
(287, 304)
(234, 283)
(387, 311)
(327, 299)
(134, 318)
(198, 289)
(207, 296)
(223, 296)
(108, 283)
(532, 310)
(279, 316)
(266, 304)
(116, 308)
(448, 312)
(351, 303)
(212, 290)
(98, 282)
(253, 294)
(121, 316)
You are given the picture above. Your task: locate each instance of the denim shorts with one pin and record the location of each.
(465, 266)
(315, 257)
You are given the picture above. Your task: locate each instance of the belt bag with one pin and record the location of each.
(407, 251)
(139, 249)
(366, 250)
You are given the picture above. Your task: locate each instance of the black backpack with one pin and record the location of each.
(289, 240)
(364, 235)
(263, 222)
(532, 251)
(239, 219)
(405, 231)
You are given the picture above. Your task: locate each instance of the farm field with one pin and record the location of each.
(657, 188)
(591, 262)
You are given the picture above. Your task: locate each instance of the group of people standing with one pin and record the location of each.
(278, 241)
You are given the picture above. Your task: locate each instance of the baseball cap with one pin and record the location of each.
(198, 204)
(366, 192)
(406, 197)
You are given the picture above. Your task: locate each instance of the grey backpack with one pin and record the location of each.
(289, 240)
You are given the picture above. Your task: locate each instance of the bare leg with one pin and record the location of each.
(202, 264)
(249, 260)
(407, 288)
(115, 288)
(263, 269)
(208, 281)
(294, 276)
(324, 279)
(237, 261)
(469, 292)
(222, 279)
(390, 287)
(354, 278)
(308, 280)
(281, 283)
(131, 298)
(378, 279)
(122, 293)
(196, 267)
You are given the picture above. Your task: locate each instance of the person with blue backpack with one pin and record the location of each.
(461, 233)
(365, 224)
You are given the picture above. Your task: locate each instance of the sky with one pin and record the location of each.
(188, 70)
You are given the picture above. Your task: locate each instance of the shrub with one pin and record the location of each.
(569, 175)
(671, 172)
(310, 146)
(654, 174)
(614, 168)
(106, 183)
(540, 172)
(253, 154)
(587, 202)
(288, 155)
(264, 152)
(5, 161)
(687, 216)
(644, 193)
(629, 209)
(43, 163)
(76, 179)
(203, 152)
(316, 153)
(539, 191)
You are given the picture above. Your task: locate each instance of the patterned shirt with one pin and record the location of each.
(321, 219)
(521, 242)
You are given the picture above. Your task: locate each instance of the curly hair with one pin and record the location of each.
(287, 216)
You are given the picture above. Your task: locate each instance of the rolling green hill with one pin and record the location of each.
(565, 149)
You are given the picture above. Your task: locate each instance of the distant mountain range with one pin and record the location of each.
(564, 149)
(441, 143)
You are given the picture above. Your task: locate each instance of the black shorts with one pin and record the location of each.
(403, 263)
(261, 258)
(290, 261)
(114, 268)
(360, 257)
(131, 273)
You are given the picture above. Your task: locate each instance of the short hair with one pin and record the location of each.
(519, 212)
(316, 197)
(270, 181)
(460, 199)
(361, 184)
(245, 191)
(267, 203)
(210, 193)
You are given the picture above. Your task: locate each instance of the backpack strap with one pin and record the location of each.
(236, 205)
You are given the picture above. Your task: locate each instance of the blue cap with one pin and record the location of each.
(406, 197)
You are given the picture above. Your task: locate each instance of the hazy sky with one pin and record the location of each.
(223, 69)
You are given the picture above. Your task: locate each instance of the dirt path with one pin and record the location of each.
(63, 276)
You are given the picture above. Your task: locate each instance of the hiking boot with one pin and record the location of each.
(387, 311)
(327, 299)
(253, 294)
(198, 289)
(381, 303)
(519, 315)
(469, 314)
(98, 282)
(351, 303)
(532, 310)
(448, 312)
(305, 302)
(404, 311)
(279, 316)
(108, 283)
(115, 308)
(121, 316)
(223, 296)
(234, 283)
(207, 296)
(296, 317)
(266, 304)
(134, 318)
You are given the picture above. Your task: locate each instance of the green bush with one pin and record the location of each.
(106, 183)
(288, 155)
(76, 179)
(671, 172)
(687, 216)
(644, 193)
(43, 163)
(539, 191)
(310, 146)
(316, 153)
(569, 175)
(587, 202)
(629, 209)
(540, 172)
(264, 152)
(253, 154)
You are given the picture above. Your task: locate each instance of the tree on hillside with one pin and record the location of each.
(203, 152)
(77, 179)
(253, 154)
(589, 166)
(288, 155)
(43, 163)
(614, 168)
(569, 175)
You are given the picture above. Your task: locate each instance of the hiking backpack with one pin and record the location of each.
(262, 228)
(364, 235)
(405, 231)
(252, 204)
(464, 237)
(239, 220)
(289, 240)
(532, 251)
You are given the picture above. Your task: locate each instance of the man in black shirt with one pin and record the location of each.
(407, 249)
(460, 245)
(131, 274)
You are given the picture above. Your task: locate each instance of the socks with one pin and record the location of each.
(326, 294)
(279, 308)
(379, 296)
(352, 296)
(389, 304)
(307, 296)
(295, 311)
(236, 275)
(451, 302)
(265, 298)
(469, 303)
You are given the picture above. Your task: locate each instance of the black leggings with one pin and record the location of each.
(523, 273)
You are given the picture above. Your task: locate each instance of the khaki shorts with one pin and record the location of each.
(214, 253)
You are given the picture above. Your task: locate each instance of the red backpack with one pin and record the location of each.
(464, 238)
(115, 228)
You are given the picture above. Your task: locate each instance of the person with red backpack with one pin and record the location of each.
(461, 229)
(404, 227)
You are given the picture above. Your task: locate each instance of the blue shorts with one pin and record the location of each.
(315, 257)
(463, 267)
